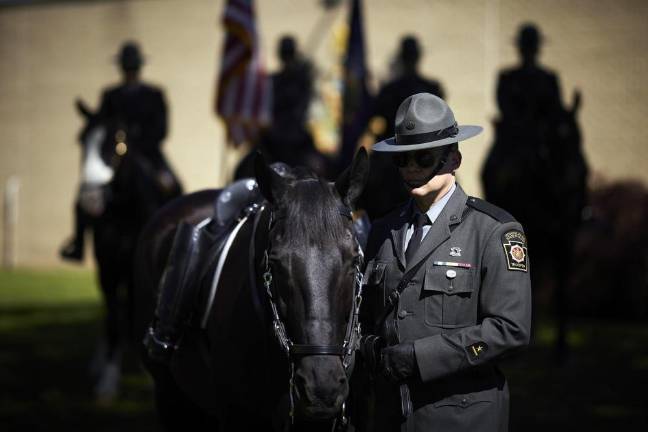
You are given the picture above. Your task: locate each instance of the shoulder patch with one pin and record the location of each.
(491, 210)
(515, 249)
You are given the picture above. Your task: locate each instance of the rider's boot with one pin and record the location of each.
(72, 250)
(177, 291)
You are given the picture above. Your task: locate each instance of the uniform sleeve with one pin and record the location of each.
(106, 109)
(158, 127)
(504, 102)
(505, 311)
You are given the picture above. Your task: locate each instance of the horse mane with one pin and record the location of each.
(310, 207)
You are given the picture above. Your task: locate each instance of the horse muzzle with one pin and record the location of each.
(321, 387)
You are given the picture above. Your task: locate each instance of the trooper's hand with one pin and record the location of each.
(399, 362)
(370, 348)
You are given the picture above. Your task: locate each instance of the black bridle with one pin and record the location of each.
(345, 351)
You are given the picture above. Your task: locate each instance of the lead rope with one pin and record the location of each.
(291, 412)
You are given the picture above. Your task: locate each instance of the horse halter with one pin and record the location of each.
(352, 336)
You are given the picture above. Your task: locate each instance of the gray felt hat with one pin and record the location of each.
(425, 121)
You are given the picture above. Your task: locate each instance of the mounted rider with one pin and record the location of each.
(139, 111)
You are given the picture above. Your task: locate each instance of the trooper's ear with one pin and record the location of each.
(270, 182)
(83, 109)
(353, 179)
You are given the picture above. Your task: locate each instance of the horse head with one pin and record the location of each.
(103, 147)
(314, 260)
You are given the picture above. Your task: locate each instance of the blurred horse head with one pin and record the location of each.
(104, 145)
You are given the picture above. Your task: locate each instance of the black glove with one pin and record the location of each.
(370, 348)
(399, 362)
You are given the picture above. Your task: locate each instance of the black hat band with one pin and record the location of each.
(426, 137)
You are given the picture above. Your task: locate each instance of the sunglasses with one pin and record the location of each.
(422, 158)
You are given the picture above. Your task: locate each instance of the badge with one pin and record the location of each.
(515, 249)
(455, 251)
(477, 350)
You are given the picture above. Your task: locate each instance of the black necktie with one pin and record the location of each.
(420, 220)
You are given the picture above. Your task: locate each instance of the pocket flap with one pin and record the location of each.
(448, 280)
(465, 400)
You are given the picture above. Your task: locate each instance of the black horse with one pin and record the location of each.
(536, 170)
(119, 192)
(290, 275)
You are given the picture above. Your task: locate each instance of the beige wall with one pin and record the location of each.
(52, 53)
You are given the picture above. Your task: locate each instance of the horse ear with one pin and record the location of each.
(83, 109)
(576, 101)
(353, 179)
(268, 179)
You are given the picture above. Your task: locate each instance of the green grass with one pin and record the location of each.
(49, 324)
(50, 320)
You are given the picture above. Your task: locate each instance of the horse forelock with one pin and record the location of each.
(310, 208)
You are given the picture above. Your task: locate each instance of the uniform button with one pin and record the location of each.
(402, 314)
(464, 402)
(451, 274)
(453, 217)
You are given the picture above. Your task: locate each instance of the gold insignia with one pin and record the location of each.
(477, 349)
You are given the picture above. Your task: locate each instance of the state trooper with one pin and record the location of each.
(447, 288)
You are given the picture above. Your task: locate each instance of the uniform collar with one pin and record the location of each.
(435, 209)
(450, 214)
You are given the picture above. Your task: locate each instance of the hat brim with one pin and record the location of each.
(465, 132)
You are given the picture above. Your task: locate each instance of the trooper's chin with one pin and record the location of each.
(417, 190)
(415, 184)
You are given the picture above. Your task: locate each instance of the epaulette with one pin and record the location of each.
(491, 210)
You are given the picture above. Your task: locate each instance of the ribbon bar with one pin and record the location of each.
(452, 264)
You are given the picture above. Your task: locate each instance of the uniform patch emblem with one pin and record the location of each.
(477, 350)
(515, 249)
(455, 251)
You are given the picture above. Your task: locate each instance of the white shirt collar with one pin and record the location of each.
(436, 208)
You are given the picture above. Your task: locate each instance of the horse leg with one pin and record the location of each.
(236, 418)
(176, 412)
(108, 383)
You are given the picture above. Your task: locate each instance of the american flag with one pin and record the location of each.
(244, 91)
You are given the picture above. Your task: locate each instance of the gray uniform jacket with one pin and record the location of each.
(467, 306)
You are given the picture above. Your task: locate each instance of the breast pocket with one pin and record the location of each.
(450, 300)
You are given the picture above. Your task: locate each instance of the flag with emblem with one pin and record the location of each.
(356, 100)
(243, 92)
